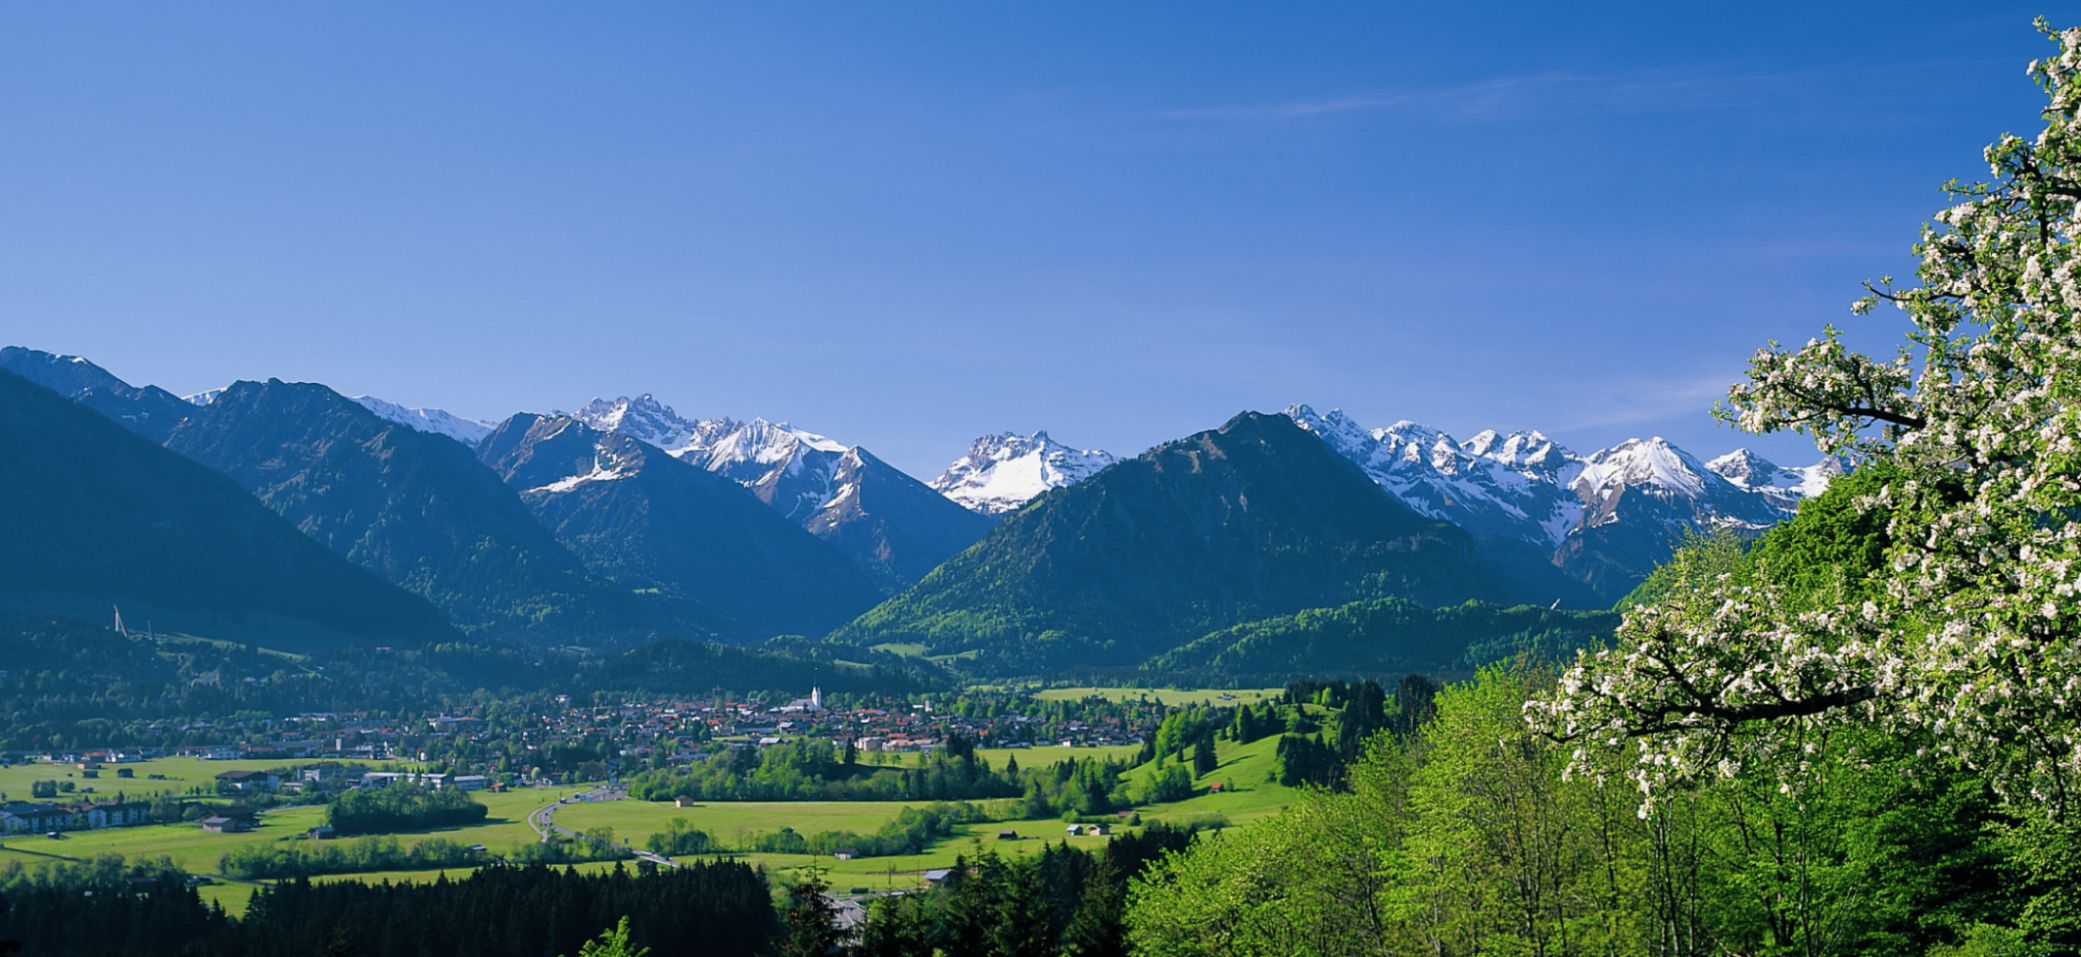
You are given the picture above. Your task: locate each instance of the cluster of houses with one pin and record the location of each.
(693, 730)
(36, 817)
(335, 776)
(26, 817)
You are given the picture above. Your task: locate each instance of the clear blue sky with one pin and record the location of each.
(904, 224)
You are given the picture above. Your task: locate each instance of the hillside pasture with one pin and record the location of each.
(181, 776)
(1170, 697)
(734, 822)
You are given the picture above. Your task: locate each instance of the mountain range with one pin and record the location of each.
(98, 516)
(414, 507)
(1254, 519)
(892, 525)
(1605, 519)
(624, 520)
(655, 523)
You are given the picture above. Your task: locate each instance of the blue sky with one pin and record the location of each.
(904, 224)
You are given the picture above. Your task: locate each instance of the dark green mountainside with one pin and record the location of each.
(91, 510)
(416, 508)
(1255, 519)
(647, 520)
(1382, 636)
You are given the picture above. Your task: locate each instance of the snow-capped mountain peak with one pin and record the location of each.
(1439, 478)
(1618, 508)
(1783, 485)
(1743, 468)
(1651, 462)
(439, 422)
(1530, 451)
(642, 418)
(1004, 471)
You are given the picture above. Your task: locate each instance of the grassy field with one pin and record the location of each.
(505, 821)
(1051, 754)
(1041, 756)
(1243, 770)
(233, 896)
(191, 848)
(182, 775)
(1172, 697)
(197, 851)
(1247, 793)
(734, 821)
(907, 871)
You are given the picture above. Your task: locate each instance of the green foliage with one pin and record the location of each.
(1381, 636)
(311, 858)
(807, 769)
(1832, 551)
(1172, 782)
(1054, 901)
(613, 942)
(1701, 557)
(911, 832)
(1465, 837)
(101, 872)
(680, 837)
(402, 807)
(723, 908)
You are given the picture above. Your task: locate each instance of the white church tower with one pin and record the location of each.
(816, 699)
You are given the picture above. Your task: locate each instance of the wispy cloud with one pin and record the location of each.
(1537, 94)
(1618, 403)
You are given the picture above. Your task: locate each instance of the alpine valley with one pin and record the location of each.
(1260, 549)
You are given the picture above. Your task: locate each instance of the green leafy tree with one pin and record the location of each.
(612, 942)
(1969, 635)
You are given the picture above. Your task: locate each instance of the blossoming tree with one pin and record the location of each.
(1968, 638)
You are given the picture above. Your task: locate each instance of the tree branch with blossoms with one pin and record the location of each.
(1968, 639)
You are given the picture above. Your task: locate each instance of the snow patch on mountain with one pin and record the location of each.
(204, 397)
(439, 422)
(599, 473)
(1002, 472)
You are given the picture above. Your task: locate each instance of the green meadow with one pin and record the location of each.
(1040, 756)
(191, 848)
(735, 821)
(1173, 697)
(1249, 792)
(1244, 773)
(181, 775)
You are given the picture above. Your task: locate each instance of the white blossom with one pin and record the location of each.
(1974, 642)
